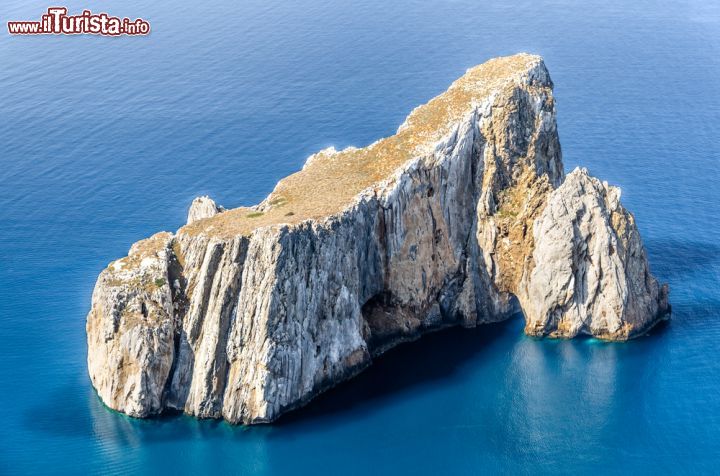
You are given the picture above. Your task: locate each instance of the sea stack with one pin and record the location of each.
(245, 314)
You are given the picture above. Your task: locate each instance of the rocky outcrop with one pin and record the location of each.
(131, 329)
(203, 207)
(251, 312)
(589, 271)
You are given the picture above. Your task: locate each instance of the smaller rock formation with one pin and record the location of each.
(131, 328)
(201, 208)
(589, 272)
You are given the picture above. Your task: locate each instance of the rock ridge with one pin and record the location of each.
(245, 314)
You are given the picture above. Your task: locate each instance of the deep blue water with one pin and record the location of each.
(104, 141)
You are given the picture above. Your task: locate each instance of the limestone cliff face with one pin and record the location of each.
(251, 312)
(131, 329)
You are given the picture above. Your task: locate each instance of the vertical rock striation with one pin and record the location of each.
(251, 312)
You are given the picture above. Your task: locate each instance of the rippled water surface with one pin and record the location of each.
(104, 141)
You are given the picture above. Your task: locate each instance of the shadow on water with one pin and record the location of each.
(75, 411)
(434, 358)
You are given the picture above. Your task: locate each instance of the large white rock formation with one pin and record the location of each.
(251, 312)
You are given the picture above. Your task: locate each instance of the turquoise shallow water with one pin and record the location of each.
(104, 141)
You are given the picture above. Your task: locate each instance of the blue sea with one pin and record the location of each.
(104, 141)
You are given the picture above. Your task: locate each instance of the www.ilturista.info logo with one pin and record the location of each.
(58, 22)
